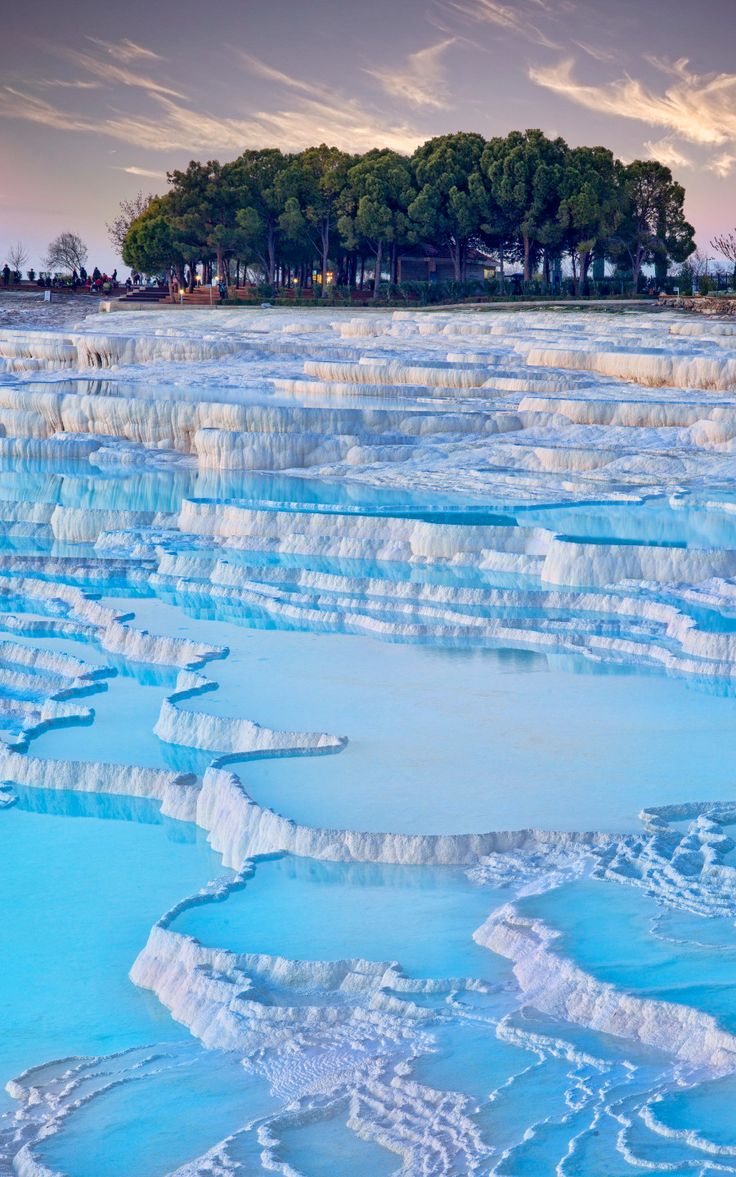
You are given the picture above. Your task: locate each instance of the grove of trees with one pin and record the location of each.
(526, 199)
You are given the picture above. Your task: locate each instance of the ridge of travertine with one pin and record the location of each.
(526, 414)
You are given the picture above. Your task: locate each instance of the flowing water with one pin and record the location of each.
(368, 728)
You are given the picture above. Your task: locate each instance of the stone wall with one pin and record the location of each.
(704, 304)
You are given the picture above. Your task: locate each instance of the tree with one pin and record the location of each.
(451, 204)
(725, 244)
(310, 189)
(699, 263)
(220, 237)
(525, 172)
(256, 179)
(151, 244)
(590, 209)
(523, 194)
(653, 227)
(203, 218)
(17, 256)
(375, 201)
(66, 252)
(130, 210)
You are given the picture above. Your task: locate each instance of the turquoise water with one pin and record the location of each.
(513, 739)
(137, 1127)
(510, 737)
(635, 955)
(706, 1111)
(94, 885)
(441, 740)
(126, 706)
(327, 1147)
(310, 910)
(426, 625)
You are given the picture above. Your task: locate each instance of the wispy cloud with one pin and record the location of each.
(666, 151)
(334, 117)
(16, 104)
(66, 84)
(125, 50)
(301, 111)
(174, 126)
(134, 170)
(699, 108)
(520, 18)
(723, 164)
(595, 51)
(421, 81)
(269, 73)
(121, 75)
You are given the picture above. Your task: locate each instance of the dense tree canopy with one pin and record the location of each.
(311, 187)
(256, 178)
(321, 212)
(526, 173)
(653, 226)
(451, 203)
(375, 203)
(591, 206)
(151, 245)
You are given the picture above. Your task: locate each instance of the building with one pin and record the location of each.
(427, 264)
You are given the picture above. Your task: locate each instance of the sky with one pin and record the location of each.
(98, 101)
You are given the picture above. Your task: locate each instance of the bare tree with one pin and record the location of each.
(726, 246)
(66, 252)
(697, 270)
(17, 256)
(699, 263)
(117, 229)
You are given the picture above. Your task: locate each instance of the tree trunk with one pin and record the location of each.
(394, 262)
(271, 255)
(585, 260)
(455, 255)
(377, 273)
(325, 253)
(636, 264)
(635, 271)
(527, 259)
(501, 270)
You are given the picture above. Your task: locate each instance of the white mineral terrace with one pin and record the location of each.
(209, 523)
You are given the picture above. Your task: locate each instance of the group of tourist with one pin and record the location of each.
(98, 282)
